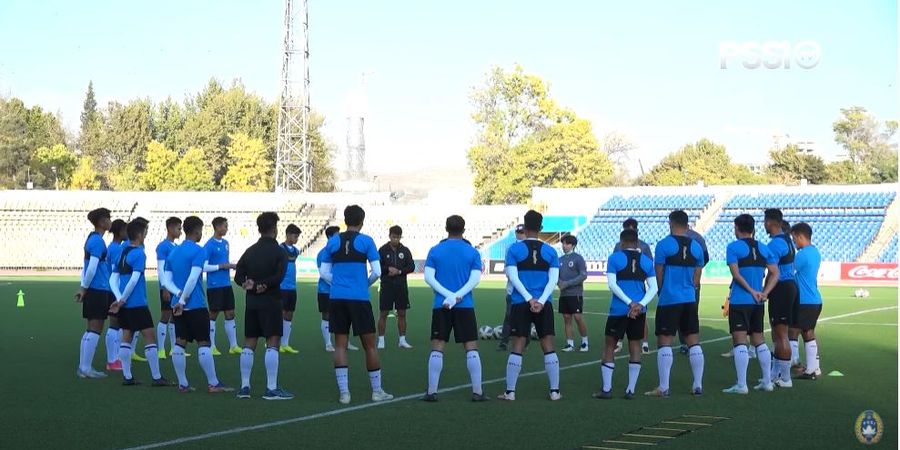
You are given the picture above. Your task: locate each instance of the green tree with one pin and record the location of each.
(59, 158)
(89, 110)
(248, 169)
(85, 177)
(14, 151)
(128, 131)
(526, 140)
(789, 165)
(159, 168)
(191, 173)
(868, 144)
(702, 161)
(168, 120)
(841, 172)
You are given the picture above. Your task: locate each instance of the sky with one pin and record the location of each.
(650, 70)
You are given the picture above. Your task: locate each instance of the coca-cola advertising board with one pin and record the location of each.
(869, 271)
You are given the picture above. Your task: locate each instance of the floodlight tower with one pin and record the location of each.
(356, 137)
(292, 159)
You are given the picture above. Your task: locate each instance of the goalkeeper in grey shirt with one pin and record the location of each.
(572, 274)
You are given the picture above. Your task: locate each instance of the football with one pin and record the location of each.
(486, 332)
(498, 332)
(534, 335)
(861, 293)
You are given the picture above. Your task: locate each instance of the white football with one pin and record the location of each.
(486, 332)
(534, 334)
(498, 332)
(865, 293)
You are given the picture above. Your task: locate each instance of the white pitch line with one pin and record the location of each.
(335, 412)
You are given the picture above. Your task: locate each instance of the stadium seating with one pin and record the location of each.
(889, 254)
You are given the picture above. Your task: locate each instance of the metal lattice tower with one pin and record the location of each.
(292, 155)
(356, 148)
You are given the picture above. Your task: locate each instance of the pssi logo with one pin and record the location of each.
(769, 54)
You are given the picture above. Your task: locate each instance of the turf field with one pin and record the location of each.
(43, 405)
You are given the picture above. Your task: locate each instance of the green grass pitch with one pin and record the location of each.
(43, 405)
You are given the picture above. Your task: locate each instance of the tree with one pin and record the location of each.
(702, 161)
(249, 169)
(618, 147)
(191, 173)
(868, 144)
(159, 168)
(89, 110)
(840, 172)
(14, 152)
(789, 165)
(85, 177)
(526, 140)
(321, 153)
(168, 120)
(128, 131)
(59, 158)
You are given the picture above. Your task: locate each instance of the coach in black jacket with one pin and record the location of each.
(396, 263)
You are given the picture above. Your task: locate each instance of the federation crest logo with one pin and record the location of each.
(571, 264)
(869, 427)
(401, 256)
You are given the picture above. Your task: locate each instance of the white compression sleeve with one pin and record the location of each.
(207, 267)
(553, 273)
(114, 285)
(325, 272)
(376, 272)
(90, 272)
(168, 283)
(190, 284)
(652, 289)
(433, 282)
(132, 282)
(615, 289)
(474, 279)
(512, 273)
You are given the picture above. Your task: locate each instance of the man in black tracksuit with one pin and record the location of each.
(396, 263)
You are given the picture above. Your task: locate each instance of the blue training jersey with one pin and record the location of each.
(164, 249)
(806, 264)
(322, 287)
(783, 249)
(95, 246)
(183, 258)
(534, 259)
(290, 275)
(113, 253)
(679, 256)
(629, 279)
(453, 261)
(135, 260)
(348, 253)
(217, 253)
(751, 265)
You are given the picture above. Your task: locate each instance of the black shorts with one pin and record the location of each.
(521, 318)
(288, 300)
(95, 304)
(342, 314)
(393, 297)
(263, 323)
(193, 325)
(781, 303)
(163, 304)
(460, 320)
(220, 299)
(806, 316)
(322, 299)
(571, 304)
(680, 317)
(619, 326)
(135, 319)
(747, 318)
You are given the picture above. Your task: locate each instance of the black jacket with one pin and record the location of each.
(400, 259)
(265, 263)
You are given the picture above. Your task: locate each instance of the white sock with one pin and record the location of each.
(231, 332)
(634, 369)
(134, 339)
(570, 342)
(782, 369)
(112, 345)
(286, 326)
(403, 339)
(207, 363)
(125, 356)
(381, 341)
(180, 364)
(212, 333)
(812, 356)
(88, 347)
(343, 379)
(326, 333)
(606, 370)
(664, 362)
(171, 332)
(271, 368)
(765, 361)
(741, 361)
(161, 331)
(473, 363)
(695, 354)
(246, 366)
(151, 352)
(435, 365)
(795, 351)
(551, 366)
(513, 367)
(375, 380)
(584, 340)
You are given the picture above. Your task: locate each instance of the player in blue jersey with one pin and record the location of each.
(184, 280)
(632, 282)
(289, 286)
(323, 290)
(453, 269)
(781, 300)
(632, 224)
(94, 295)
(504, 334)
(809, 300)
(678, 263)
(218, 285)
(344, 267)
(114, 332)
(754, 273)
(130, 288)
(533, 269)
(166, 327)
